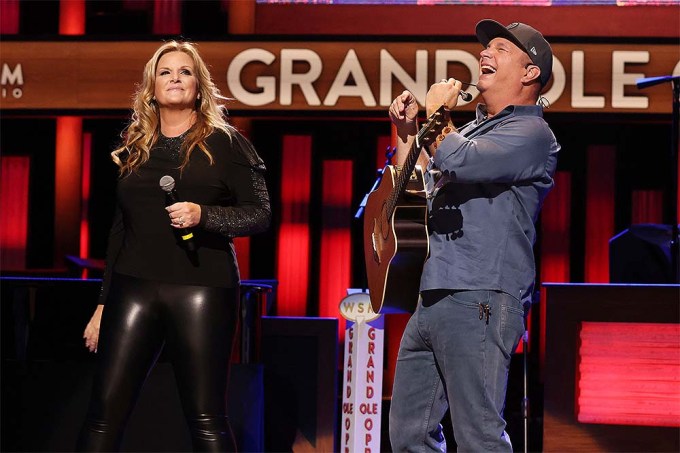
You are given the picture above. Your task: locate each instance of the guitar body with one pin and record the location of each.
(395, 247)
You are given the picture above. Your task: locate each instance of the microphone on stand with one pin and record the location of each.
(167, 183)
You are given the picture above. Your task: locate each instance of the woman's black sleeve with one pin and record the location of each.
(251, 211)
(116, 236)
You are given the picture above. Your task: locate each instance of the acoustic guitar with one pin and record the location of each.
(395, 228)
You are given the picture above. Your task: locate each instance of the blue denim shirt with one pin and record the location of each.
(486, 186)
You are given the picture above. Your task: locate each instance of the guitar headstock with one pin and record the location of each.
(433, 127)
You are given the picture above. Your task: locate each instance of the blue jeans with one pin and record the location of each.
(455, 353)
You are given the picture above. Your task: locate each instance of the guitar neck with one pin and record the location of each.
(404, 175)
(423, 138)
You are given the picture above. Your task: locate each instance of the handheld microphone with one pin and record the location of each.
(167, 183)
(464, 95)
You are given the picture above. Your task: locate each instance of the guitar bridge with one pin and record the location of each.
(416, 193)
(376, 257)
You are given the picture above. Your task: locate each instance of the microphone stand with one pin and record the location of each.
(388, 155)
(674, 245)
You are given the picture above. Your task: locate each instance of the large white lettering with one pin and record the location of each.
(266, 83)
(351, 66)
(303, 70)
(620, 79)
(303, 80)
(559, 76)
(390, 68)
(11, 77)
(578, 98)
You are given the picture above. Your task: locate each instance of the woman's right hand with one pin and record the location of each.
(91, 334)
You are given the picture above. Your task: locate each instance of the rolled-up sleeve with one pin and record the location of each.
(517, 150)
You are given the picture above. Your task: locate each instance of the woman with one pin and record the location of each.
(161, 290)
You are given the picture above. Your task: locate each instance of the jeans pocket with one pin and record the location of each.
(512, 323)
(469, 299)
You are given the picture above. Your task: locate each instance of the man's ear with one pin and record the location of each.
(533, 73)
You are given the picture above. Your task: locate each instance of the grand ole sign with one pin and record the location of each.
(338, 76)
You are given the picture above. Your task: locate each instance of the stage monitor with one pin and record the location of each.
(641, 254)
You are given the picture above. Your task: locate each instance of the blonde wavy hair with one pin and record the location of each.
(144, 128)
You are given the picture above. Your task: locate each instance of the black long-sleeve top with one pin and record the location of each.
(234, 202)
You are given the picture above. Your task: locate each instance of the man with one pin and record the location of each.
(486, 184)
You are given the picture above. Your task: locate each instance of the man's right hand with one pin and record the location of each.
(404, 114)
(442, 93)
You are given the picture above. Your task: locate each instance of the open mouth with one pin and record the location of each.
(486, 69)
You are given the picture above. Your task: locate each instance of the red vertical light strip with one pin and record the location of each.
(68, 154)
(555, 257)
(240, 16)
(167, 17)
(85, 200)
(72, 17)
(646, 207)
(599, 212)
(67, 179)
(9, 17)
(14, 186)
(293, 241)
(242, 246)
(336, 248)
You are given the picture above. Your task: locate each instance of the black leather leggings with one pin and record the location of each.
(197, 325)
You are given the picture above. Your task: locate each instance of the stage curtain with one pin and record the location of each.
(293, 237)
(85, 182)
(67, 187)
(9, 17)
(647, 207)
(600, 191)
(72, 17)
(167, 17)
(555, 225)
(336, 247)
(14, 186)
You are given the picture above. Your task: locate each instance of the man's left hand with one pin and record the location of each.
(441, 93)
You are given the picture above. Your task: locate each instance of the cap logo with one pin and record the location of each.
(512, 25)
(533, 51)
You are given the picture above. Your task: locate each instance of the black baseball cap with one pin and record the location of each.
(525, 37)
